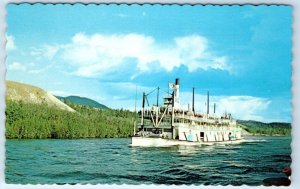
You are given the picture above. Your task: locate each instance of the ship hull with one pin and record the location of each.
(160, 142)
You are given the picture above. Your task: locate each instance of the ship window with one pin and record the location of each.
(202, 134)
(167, 130)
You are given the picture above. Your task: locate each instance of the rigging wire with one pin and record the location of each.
(152, 91)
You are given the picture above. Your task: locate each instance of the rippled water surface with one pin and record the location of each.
(114, 161)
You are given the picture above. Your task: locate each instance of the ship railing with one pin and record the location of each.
(205, 127)
(203, 119)
(190, 120)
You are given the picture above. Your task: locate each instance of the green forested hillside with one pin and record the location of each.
(81, 101)
(260, 128)
(27, 120)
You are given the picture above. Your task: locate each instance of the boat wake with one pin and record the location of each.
(253, 140)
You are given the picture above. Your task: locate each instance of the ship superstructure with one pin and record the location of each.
(170, 124)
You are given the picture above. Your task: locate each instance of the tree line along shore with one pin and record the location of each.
(39, 121)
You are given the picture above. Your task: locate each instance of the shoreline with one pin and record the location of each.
(263, 135)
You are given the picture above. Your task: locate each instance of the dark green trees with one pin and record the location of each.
(33, 121)
(270, 129)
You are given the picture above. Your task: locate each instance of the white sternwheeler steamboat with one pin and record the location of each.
(169, 124)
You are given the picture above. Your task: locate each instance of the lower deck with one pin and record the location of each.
(192, 133)
(162, 142)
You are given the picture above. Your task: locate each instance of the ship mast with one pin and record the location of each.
(157, 108)
(214, 108)
(207, 103)
(172, 118)
(157, 96)
(135, 114)
(143, 111)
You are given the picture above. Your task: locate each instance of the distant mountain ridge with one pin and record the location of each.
(83, 101)
(260, 128)
(262, 124)
(26, 93)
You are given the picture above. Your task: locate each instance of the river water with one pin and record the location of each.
(100, 161)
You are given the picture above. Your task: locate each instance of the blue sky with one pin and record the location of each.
(241, 54)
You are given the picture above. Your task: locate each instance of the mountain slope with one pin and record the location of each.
(16, 91)
(82, 101)
(252, 123)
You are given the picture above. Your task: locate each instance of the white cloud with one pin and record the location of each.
(17, 66)
(50, 51)
(245, 107)
(10, 45)
(47, 51)
(100, 54)
(40, 70)
(32, 68)
(241, 107)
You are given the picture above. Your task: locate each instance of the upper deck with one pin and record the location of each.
(171, 113)
(182, 117)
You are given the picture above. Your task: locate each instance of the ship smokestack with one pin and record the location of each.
(176, 93)
(177, 81)
(193, 103)
(207, 102)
